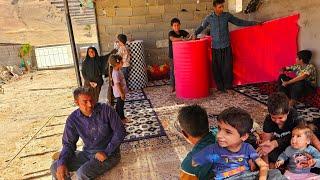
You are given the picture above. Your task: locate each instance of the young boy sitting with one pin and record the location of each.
(230, 156)
(277, 128)
(305, 81)
(299, 154)
(193, 121)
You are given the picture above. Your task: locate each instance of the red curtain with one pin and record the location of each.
(260, 51)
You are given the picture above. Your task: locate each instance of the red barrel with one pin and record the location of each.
(191, 68)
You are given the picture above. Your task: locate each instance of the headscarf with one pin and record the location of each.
(92, 67)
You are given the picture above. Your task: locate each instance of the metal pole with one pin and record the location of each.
(97, 29)
(72, 42)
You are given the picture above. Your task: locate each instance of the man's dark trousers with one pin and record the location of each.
(222, 67)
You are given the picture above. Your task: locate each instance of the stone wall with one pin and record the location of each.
(9, 55)
(151, 21)
(147, 20)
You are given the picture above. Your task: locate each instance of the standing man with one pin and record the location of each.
(102, 132)
(221, 50)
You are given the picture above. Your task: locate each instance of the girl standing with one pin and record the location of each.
(118, 83)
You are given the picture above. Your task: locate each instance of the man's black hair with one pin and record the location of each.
(278, 103)
(305, 56)
(237, 118)
(194, 120)
(175, 20)
(81, 90)
(217, 2)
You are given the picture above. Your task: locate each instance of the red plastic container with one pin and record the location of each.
(191, 68)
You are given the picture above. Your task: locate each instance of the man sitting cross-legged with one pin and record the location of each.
(102, 132)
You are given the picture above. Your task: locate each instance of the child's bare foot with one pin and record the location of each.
(124, 120)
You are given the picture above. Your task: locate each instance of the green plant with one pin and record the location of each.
(24, 54)
(25, 50)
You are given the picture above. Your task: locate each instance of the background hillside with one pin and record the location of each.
(42, 22)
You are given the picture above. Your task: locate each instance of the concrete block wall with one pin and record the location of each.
(9, 54)
(147, 20)
(141, 20)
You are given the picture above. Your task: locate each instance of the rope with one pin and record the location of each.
(28, 141)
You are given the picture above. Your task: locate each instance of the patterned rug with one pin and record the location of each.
(160, 157)
(143, 120)
(136, 95)
(308, 108)
(162, 82)
(267, 88)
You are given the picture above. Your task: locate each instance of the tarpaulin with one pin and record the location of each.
(260, 51)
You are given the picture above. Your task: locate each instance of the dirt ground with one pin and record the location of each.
(39, 23)
(31, 110)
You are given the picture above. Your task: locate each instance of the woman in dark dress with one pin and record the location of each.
(92, 71)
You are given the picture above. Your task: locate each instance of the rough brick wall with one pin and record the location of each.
(151, 21)
(148, 20)
(9, 55)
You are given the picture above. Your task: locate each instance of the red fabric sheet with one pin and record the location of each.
(260, 51)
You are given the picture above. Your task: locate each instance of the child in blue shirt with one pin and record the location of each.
(194, 125)
(231, 155)
(301, 155)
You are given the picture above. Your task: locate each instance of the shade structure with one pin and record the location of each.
(191, 68)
